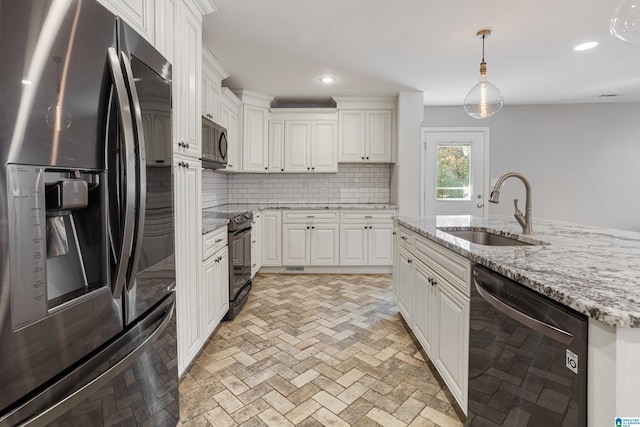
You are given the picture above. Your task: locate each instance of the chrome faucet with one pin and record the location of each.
(524, 220)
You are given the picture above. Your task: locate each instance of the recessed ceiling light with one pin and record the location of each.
(26, 82)
(586, 46)
(327, 80)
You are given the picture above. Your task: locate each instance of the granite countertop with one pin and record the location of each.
(211, 220)
(593, 270)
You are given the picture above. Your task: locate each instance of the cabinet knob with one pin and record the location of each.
(307, 227)
(409, 261)
(362, 157)
(404, 238)
(313, 228)
(282, 170)
(313, 168)
(367, 157)
(266, 168)
(218, 240)
(308, 168)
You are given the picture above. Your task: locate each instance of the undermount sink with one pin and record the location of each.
(488, 237)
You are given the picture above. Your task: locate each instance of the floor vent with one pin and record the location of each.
(294, 268)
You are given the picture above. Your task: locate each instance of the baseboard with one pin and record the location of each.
(337, 269)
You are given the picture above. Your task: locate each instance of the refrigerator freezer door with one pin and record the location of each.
(54, 85)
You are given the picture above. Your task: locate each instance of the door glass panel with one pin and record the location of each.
(453, 180)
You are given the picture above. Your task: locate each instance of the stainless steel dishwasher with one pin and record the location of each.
(527, 357)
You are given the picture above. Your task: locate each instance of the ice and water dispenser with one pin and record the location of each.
(58, 239)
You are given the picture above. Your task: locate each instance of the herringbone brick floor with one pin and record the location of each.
(315, 350)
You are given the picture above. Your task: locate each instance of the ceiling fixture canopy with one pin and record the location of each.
(625, 23)
(484, 99)
(327, 79)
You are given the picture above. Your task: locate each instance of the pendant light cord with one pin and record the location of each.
(483, 36)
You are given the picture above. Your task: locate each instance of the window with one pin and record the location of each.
(453, 172)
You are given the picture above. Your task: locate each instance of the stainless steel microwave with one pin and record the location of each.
(214, 145)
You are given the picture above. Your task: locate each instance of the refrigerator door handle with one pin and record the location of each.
(126, 124)
(141, 171)
(63, 405)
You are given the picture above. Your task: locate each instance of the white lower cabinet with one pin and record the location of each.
(188, 214)
(256, 243)
(431, 285)
(366, 237)
(310, 244)
(214, 301)
(271, 238)
(405, 285)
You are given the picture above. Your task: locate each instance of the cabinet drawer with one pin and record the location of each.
(214, 241)
(406, 239)
(448, 264)
(367, 216)
(293, 217)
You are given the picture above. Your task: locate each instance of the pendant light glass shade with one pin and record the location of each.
(484, 99)
(625, 23)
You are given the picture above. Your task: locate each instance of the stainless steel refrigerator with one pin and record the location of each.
(87, 273)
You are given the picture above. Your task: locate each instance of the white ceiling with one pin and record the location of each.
(375, 47)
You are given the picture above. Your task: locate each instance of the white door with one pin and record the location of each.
(380, 241)
(454, 166)
(353, 247)
(324, 141)
(324, 245)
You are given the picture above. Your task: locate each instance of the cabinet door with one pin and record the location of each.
(453, 337)
(229, 119)
(297, 144)
(222, 284)
(166, 12)
(325, 245)
(206, 93)
(189, 49)
(396, 263)
(276, 145)
(425, 308)
(188, 215)
(405, 285)
(351, 136)
(353, 244)
(324, 145)
(272, 238)
(255, 139)
(295, 244)
(379, 136)
(380, 244)
(208, 302)
(137, 13)
(256, 244)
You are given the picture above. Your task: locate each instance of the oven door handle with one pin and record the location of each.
(237, 233)
(535, 324)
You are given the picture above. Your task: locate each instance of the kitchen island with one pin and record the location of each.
(593, 270)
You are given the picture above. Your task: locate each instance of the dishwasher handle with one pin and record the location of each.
(544, 328)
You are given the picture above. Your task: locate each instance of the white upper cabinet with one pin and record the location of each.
(297, 146)
(230, 118)
(187, 74)
(212, 75)
(139, 14)
(378, 135)
(367, 129)
(166, 15)
(366, 136)
(276, 145)
(301, 141)
(255, 130)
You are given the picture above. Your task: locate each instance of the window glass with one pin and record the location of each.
(453, 172)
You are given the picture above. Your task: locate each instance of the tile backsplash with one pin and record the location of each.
(354, 183)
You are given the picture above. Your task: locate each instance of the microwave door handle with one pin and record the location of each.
(141, 171)
(222, 146)
(126, 124)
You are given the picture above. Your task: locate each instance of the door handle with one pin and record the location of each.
(141, 175)
(126, 124)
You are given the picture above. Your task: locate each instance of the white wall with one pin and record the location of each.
(405, 177)
(583, 160)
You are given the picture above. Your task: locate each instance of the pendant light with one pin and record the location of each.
(484, 99)
(625, 23)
